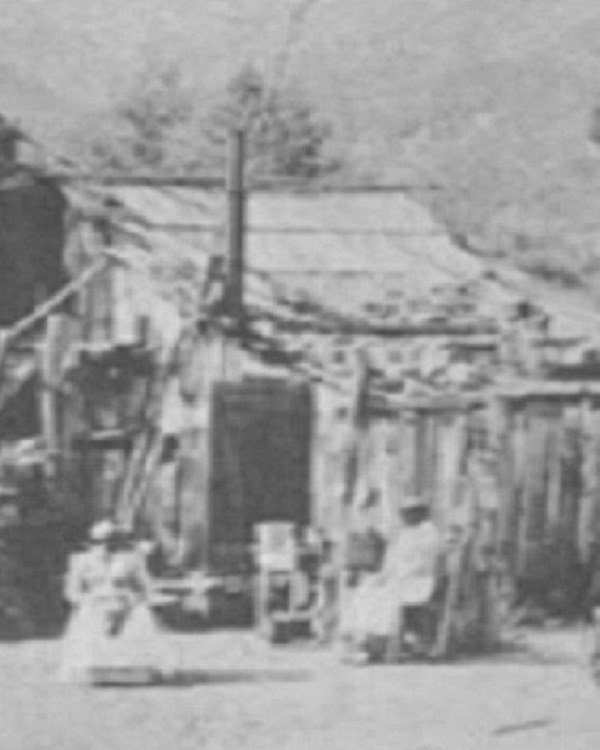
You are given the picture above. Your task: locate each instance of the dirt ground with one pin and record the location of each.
(240, 692)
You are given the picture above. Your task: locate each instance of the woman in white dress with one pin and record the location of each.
(112, 633)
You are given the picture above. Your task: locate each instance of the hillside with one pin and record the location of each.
(492, 99)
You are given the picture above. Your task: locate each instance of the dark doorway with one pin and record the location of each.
(260, 463)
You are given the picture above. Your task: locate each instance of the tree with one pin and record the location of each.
(150, 126)
(285, 134)
(157, 128)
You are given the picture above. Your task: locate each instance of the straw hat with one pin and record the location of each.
(103, 531)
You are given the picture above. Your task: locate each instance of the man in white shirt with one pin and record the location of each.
(411, 567)
(405, 584)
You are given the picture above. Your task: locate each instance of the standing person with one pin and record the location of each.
(112, 629)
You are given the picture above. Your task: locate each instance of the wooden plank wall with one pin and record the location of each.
(546, 464)
(414, 452)
(426, 457)
(550, 472)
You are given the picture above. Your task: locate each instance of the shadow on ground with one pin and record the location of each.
(525, 653)
(207, 677)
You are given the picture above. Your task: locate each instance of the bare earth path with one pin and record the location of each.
(243, 694)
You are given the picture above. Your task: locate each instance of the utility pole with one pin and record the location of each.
(236, 218)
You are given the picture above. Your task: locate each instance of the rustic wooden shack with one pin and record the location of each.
(154, 410)
(329, 274)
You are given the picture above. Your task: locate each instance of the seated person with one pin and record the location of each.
(412, 571)
(382, 603)
(112, 626)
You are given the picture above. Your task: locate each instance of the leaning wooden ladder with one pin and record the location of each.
(145, 457)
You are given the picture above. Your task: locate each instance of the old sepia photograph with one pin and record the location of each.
(299, 374)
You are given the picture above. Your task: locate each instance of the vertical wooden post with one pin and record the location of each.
(358, 423)
(505, 425)
(3, 348)
(50, 372)
(587, 508)
(236, 218)
(236, 207)
(521, 456)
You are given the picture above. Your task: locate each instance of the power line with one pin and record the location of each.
(338, 271)
(342, 231)
(218, 228)
(265, 183)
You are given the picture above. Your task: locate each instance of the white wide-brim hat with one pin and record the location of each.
(102, 531)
